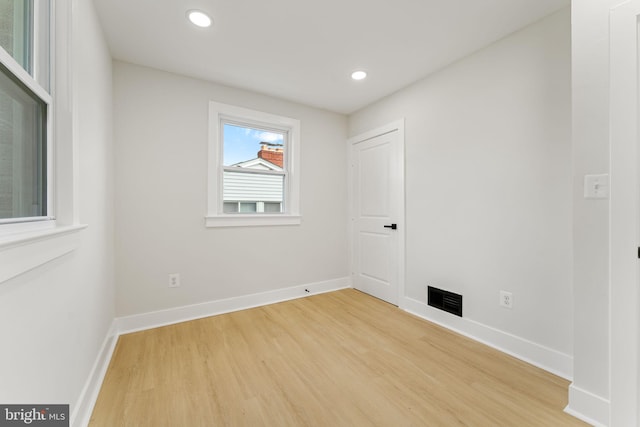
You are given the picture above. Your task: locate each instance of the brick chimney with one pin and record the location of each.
(272, 153)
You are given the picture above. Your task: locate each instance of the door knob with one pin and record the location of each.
(392, 226)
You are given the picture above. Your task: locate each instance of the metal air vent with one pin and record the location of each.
(444, 300)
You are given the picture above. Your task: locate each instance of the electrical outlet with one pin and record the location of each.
(506, 299)
(174, 280)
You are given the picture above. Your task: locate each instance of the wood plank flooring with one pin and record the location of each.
(336, 359)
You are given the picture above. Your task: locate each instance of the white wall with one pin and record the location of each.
(161, 133)
(488, 183)
(54, 319)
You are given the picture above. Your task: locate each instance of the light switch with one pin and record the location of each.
(596, 186)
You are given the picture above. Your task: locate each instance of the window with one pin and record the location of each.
(253, 168)
(25, 111)
(30, 104)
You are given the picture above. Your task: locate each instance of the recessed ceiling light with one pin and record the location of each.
(358, 75)
(199, 18)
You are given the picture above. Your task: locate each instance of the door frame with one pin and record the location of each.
(624, 280)
(397, 125)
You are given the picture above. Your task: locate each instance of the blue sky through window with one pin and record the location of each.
(243, 143)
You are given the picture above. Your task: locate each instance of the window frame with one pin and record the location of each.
(39, 83)
(219, 114)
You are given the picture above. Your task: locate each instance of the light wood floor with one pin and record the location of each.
(336, 359)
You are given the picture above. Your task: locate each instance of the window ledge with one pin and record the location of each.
(24, 251)
(241, 220)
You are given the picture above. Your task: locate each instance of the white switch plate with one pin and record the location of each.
(596, 186)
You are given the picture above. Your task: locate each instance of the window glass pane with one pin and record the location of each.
(249, 151)
(248, 207)
(23, 165)
(270, 207)
(250, 148)
(230, 207)
(16, 29)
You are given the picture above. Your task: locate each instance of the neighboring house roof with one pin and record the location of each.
(255, 187)
(259, 164)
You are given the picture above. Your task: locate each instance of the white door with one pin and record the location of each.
(377, 213)
(624, 215)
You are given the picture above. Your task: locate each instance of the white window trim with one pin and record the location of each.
(27, 245)
(215, 216)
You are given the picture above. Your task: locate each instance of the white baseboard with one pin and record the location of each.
(84, 406)
(588, 407)
(139, 322)
(543, 357)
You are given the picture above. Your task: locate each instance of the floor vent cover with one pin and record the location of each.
(444, 300)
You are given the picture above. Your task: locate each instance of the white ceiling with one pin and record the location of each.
(304, 50)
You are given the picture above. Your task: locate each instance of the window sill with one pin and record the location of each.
(241, 220)
(24, 251)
